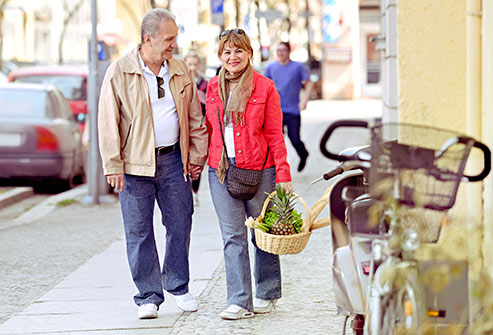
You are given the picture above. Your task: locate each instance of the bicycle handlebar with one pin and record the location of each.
(341, 168)
(330, 130)
(486, 160)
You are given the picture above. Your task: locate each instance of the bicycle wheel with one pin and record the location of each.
(403, 311)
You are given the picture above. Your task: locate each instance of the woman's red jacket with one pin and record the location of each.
(262, 128)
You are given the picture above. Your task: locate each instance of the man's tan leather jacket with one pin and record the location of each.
(125, 122)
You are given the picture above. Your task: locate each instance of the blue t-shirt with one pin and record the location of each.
(288, 79)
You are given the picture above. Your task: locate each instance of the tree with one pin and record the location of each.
(66, 21)
(2, 12)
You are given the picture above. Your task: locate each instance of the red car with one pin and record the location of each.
(69, 79)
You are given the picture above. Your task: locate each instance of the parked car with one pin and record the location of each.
(71, 80)
(40, 140)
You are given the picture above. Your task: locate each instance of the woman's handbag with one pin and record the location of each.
(241, 183)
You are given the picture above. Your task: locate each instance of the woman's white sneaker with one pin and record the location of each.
(186, 302)
(147, 311)
(261, 306)
(235, 312)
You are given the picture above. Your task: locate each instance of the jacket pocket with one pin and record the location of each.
(257, 100)
(255, 112)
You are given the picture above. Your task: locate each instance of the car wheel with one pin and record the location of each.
(61, 185)
(81, 178)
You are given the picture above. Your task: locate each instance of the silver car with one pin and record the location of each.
(40, 140)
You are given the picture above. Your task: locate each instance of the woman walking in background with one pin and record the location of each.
(193, 61)
(244, 121)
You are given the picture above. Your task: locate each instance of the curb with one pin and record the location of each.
(45, 207)
(15, 195)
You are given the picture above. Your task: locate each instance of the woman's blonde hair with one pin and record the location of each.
(239, 40)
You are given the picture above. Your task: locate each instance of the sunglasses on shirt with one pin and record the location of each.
(160, 90)
(235, 31)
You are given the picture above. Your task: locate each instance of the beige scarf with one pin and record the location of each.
(234, 110)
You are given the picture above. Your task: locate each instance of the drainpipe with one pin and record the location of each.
(473, 110)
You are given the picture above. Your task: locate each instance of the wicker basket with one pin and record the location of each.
(281, 244)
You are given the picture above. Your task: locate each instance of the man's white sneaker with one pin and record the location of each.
(186, 302)
(235, 312)
(147, 311)
(261, 306)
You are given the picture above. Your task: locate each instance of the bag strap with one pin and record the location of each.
(224, 142)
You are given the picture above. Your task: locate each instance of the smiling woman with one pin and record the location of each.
(248, 105)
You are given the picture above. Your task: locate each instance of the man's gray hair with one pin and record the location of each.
(152, 20)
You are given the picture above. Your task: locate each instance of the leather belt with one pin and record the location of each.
(168, 149)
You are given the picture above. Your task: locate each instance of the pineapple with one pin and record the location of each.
(283, 208)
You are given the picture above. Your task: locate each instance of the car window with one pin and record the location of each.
(72, 87)
(23, 103)
(64, 107)
(51, 109)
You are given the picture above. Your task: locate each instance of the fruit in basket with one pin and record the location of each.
(282, 218)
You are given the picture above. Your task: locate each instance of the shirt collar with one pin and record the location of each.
(162, 71)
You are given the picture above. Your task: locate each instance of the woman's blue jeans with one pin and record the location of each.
(174, 197)
(232, 214)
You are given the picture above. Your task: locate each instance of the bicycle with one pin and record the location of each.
(387, 215)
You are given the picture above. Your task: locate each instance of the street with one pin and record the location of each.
(39, 255)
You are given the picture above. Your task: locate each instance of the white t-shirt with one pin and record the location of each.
(229, 135)
(166, 126)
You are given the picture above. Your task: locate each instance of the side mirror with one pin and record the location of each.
(81, 117)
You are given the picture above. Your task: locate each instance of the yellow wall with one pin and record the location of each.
(432, 83)
(432, 62)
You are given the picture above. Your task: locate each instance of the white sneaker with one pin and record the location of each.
(261, 306)
(235, 312)
(186, 302)
(147, 311)
(196, 201)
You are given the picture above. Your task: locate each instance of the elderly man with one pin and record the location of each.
(152, 140)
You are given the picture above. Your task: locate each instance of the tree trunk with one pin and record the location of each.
(238, 18)
(307, 25)
(65, 24)
(2, 5)
(288, 18)
(258, 23)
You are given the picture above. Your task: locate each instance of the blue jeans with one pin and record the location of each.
(293, 123)
(232, 213)
(174, 198)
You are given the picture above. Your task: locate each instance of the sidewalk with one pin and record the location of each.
(97, 298)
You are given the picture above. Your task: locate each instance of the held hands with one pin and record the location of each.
(195, 171)
(116, 181)
(287, 186)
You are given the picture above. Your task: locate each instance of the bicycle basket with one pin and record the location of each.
(419, 166)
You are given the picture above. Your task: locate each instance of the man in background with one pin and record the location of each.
(289, 77)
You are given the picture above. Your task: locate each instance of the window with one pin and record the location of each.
(23, 103)
(72, 87)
